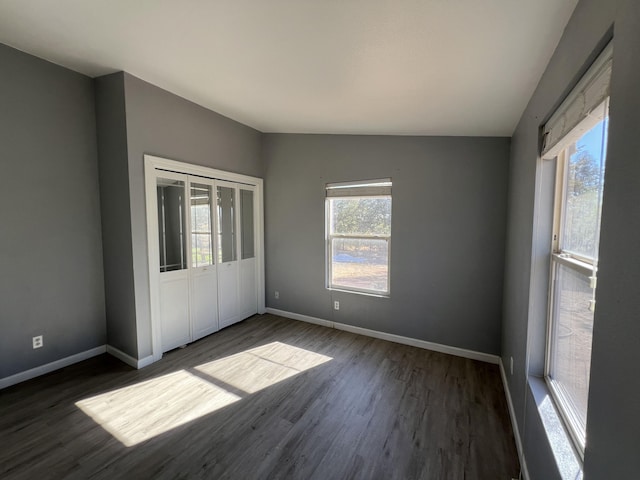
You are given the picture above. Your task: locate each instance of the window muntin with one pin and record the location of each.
(578, 205)
(359, 236)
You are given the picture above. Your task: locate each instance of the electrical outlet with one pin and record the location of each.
(276, 295)
(336, 305)
(37, 342)
(511, 365)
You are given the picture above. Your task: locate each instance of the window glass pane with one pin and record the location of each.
(171, 224)
(226, 224)
(201, 236)
(361, 264)
(585, 179)
(246, 223)
(571, 339)
(361, 216)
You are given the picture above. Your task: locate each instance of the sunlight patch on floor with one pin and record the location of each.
(139, 412)
(261, 367)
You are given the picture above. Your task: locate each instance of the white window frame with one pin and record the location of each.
(582, 265)
(369, 189)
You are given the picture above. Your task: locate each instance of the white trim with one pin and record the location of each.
(381, 182)
(154, 166)
(414, 342)
(298, 316)
(524, 472)
(128, 359)
(145, 362)
(192, 169)
(50, 367)
(259, 236)
(329, 237)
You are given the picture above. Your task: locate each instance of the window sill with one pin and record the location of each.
(568, 462)
(356, 292)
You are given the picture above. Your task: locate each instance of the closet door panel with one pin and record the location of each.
(228, 294)
(227, 253)
(247, 294)
(204, 282)
(204, 302)
(174, 276)
(174, 310)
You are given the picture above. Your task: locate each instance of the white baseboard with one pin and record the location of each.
(514, 424)
(128, 359)
(414, 342)
(146, 361)
(302, 318)
(50, 367)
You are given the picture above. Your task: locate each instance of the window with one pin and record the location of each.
(579, 139)
(359, 236)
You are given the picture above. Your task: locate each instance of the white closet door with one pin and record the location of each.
(174, 275)
(204, 281)
(174, 310)
(227, 253)
(248, 294)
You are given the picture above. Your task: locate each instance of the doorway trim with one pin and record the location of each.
(153, 164)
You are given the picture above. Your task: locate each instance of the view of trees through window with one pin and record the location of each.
(584, 193)
(361, 216)
(359, 229)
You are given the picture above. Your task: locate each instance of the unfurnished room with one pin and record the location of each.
(367, 239)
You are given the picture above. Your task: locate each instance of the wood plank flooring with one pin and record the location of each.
(268, 398)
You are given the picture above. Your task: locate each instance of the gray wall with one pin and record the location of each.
(163, 124)
(116, 214)
(50, 245)
(448, 227)
(614, 398)
(613, 426)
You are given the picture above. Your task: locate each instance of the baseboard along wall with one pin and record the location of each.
(78, 357)
(514, 424)
(128, 359)
(414, 342)
(50, 367)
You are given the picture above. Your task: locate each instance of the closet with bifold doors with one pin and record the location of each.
(204, 242)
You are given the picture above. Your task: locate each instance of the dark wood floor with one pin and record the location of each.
(266, 398)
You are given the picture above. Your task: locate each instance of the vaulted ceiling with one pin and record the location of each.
(407, 67)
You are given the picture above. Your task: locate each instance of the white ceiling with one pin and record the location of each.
(407, 67)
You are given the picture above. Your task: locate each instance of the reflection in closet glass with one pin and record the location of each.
(171, 224)
(246, 223)
(226, 224)
(201, 237)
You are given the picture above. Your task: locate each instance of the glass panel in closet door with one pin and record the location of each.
(201, 225)
(246, 224)
(171, 231)
(226, 224)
